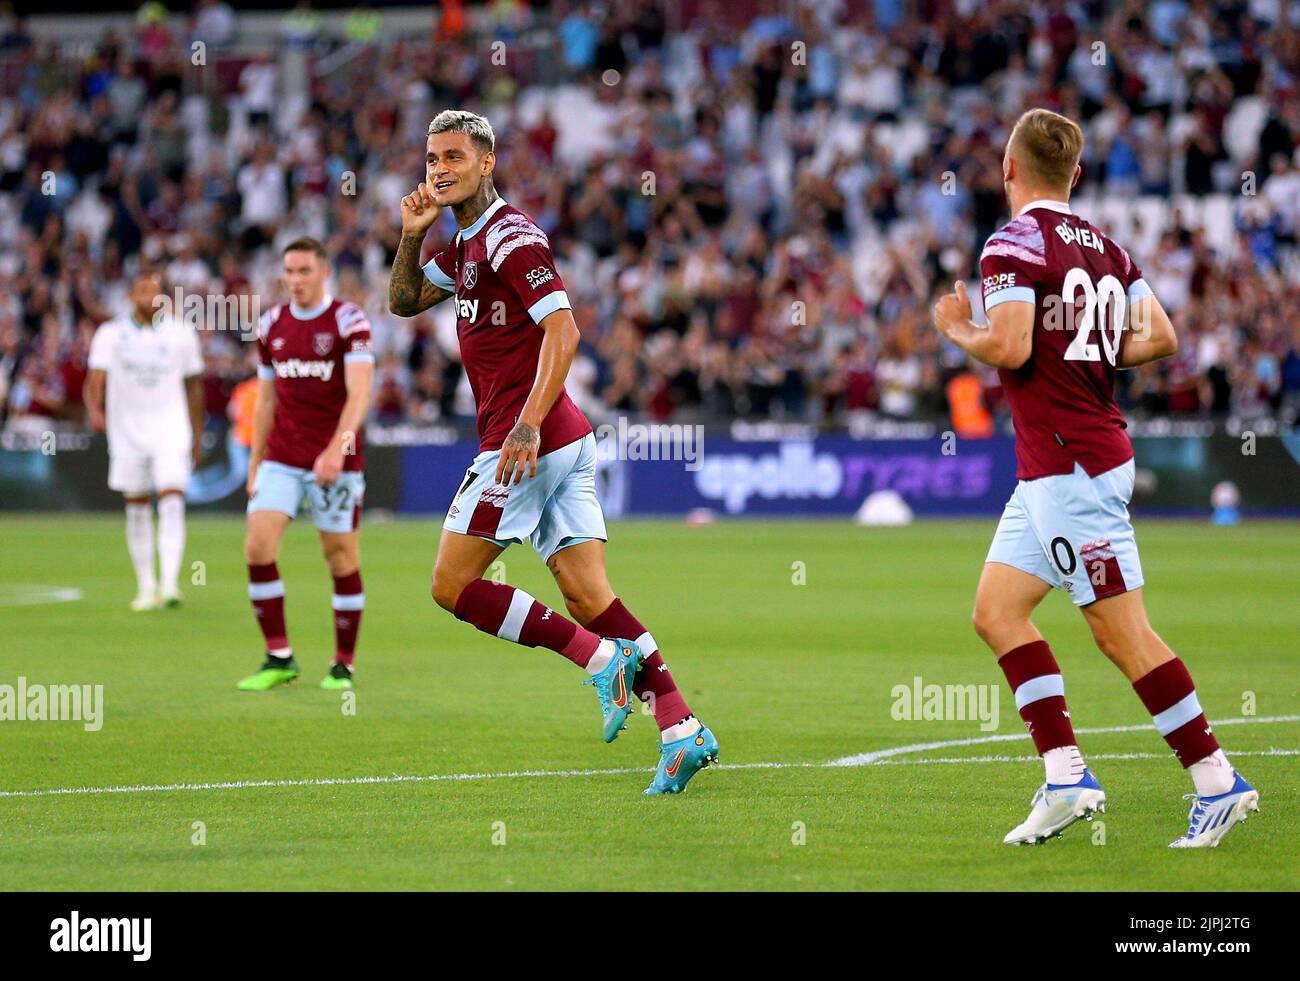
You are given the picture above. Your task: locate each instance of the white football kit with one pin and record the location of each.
(149, 434)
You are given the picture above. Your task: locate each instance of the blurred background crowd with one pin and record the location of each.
(753, 203)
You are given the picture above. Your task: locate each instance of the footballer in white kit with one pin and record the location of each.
(144, 389)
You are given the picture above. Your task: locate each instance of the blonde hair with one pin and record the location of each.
(476, 127)
(1048, 145)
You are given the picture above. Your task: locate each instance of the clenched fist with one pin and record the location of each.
(952, 309)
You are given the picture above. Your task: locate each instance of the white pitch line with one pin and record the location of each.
(867, 759)
(27, 594)
(925, 761)
(877, 758)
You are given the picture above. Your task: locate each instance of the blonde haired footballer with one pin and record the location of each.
(534, 477)
(1067, 308)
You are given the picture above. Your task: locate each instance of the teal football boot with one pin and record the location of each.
(614, 686)
(681, 759)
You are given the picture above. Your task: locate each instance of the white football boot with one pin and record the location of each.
(145, 602)
(1211, 817)
(1057, 806)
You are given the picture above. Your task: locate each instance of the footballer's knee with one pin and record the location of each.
(576, 611)
(341, 557)
(582, 608)
(258, 549)
(995, 625)
(1107, 641)
(584, 600)
(447, 588)
(985, 622)
(1129, 645)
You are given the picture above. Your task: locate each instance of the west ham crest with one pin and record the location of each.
(471, 275)
(322, 343)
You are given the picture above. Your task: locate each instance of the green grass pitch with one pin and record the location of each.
(785, 673)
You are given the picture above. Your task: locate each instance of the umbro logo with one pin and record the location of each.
(277, 343)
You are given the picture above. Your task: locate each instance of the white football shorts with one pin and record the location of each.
(553, 510)
(137, 474)
(336, 508)
(1073, 532)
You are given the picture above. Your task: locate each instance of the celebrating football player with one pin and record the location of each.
(1067, 308)
(535, 474)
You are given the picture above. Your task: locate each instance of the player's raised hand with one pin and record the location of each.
(953, 308)
(418, 211)
(518, 455)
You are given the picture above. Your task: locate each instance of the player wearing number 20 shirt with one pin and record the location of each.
(1067, 307)
(1070, 433)
(1062, 400)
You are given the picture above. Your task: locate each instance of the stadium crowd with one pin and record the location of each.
(752, 217)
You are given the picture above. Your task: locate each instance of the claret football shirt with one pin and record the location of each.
(505, 283)
(305, 351)
(1081, 284)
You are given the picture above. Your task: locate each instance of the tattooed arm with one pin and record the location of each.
(409, 290)
(559, 345)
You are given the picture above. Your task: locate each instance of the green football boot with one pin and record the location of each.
(339, 678)
(276, 671)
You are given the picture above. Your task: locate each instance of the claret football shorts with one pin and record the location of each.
(336, 508)
(553, 510)
(1073, 532)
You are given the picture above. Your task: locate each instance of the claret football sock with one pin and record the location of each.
(266, 591)
(1035, 679)
(511, 614)
(1170, 696)
(348, 602)
(654, 684)
(139, 542)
